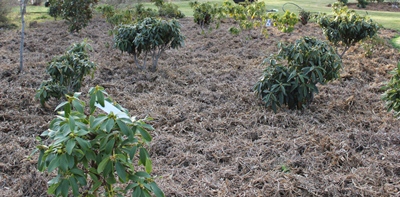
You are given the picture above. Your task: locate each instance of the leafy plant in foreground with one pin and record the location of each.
(92, 153)
(150, 36)
(67, 73)
(391, 96)
(346, 27)
(309, 61)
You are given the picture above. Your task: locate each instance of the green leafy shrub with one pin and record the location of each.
(150, 36)
(77, 13)
(346, 27)
(205, 14)
(309, 61)
(92, 153)
(285, 22)
(391, 96)
(343, 1)
(67, 73)
(251, 16)
(170, 10)
(304, 16)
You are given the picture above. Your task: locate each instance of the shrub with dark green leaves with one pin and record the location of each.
(346, 27)
(77, 13)
(344, 1)
(291, 76)
(67, 73)
(391, 96)
(93, 152)
(149, 37)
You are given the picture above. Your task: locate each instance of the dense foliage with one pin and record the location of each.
(392, 92)
(150, 36)
(287, 21)
(251, 16)
(66, 73)
(346, 27)
(304, 16)
(93, 152)
(205, 14)
(77, 13)
(309, 61)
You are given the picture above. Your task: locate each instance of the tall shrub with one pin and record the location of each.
(77, 13)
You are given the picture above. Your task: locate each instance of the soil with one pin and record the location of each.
(213, 136)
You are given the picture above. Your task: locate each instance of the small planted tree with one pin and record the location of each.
(77, 13)
(346, 27)
(291, 76)
(67, 73)
(93, 152)
(149, 37)
(391, 96)
(205, 14)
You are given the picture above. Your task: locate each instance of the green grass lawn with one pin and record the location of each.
(390, 20)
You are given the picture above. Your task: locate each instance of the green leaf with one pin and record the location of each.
(52, 188)
(146, 136)
(142, 174)
(85, 145)
(103, 164)
(148, 165)
(54, 164)
(100, 98)
(143, 156)
(124, 128)
(61, 105)
(156, 190)
(137, 192)
(109, 125)
(74, 185)
(110, 146)
(70, 145)
(64, 187)
(67, 109)
(121, 171)
(78, 106)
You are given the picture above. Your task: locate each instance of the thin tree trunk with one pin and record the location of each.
(21, 49)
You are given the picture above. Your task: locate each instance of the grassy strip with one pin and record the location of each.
(390, 20)
(396, 42)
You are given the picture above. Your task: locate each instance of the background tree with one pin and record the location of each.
(77, 13)
(346, 27)
(21, 49)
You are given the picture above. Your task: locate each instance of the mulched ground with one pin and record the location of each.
(213, 137)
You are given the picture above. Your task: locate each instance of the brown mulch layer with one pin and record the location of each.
(213, 137)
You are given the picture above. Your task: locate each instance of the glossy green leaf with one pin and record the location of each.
(103, 164)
